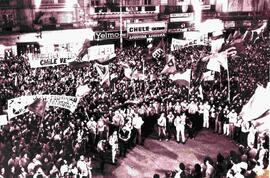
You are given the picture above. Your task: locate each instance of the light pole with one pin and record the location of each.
(121, 26)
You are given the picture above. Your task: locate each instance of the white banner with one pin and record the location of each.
(18, 106)
(101, 51)
(3, 120)
(178, 44)
(46, 60)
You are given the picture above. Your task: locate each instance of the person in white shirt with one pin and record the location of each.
(179, 123)
(192, 110)
(137, 124)
(161, 123)
(206, 109)
(92, 129)
(251, 136)
(64, 169)
(113, 141)
(82, 167)
(232, 116)
(237, 132)
(177, 108)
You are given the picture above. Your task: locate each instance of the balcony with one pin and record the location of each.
(103, 12)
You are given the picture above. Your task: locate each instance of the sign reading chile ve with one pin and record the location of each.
(147, 28)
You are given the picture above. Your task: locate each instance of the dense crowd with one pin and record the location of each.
(111, 120)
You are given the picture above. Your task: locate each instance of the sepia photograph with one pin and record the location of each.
(134, 88)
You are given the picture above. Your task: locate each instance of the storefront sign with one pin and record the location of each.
(159, 27)
(181, 17)
(108, 35)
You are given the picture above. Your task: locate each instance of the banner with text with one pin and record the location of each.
(46, 60)
(101, 51)
(178, 44)
(19, 106)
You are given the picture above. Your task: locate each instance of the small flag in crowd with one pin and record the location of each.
(84, 50)
(217, 60)
(182, 78)
(103, 71)
(209, 76)
(170, 66)
(38, 107)
(82, 90)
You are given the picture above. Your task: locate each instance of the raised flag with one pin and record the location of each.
(38, 107)
(84, 49)
(103, 71)
(208, 76)
(170, 66)
(159, 51)
(182, 79)
(82, 90)
(213, 64)
(217, 60)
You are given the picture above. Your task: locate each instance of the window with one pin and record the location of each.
(147, 2)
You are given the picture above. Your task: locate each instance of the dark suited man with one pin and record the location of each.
(124, 136)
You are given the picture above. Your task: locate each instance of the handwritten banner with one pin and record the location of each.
(178, 44)
(46, 60)
(19, 106)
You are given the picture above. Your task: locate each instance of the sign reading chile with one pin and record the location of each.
(158, 27)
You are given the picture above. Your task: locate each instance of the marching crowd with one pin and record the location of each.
(111, 120)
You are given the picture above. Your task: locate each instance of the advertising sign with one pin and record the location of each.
(144, 29)
(181, 17)
(108, 35)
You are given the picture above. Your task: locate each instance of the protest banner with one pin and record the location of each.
(178, 44)
(101, 52)
(54, 59)
(19, 106)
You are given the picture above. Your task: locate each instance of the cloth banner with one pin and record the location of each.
(46, 60)
(101, 52)
(208, 76)
(82, 90)
(178, 44)
(19, 106)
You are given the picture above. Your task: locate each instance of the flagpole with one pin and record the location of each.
(42, 118)
(229, 97)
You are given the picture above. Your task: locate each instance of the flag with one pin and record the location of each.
(170, 66)
(38, 107)
(103, 71)
(182, 78)
(261, 29)
(258, 104)
(106, 59)
(84, 49)
(213, 64)
(127, 70)
(82, 90)
(208, 76)
(136, 75)
(159, 51)
(217, 60)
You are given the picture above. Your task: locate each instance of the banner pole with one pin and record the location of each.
(229, 97)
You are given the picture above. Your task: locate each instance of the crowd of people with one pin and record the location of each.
(111, 120)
